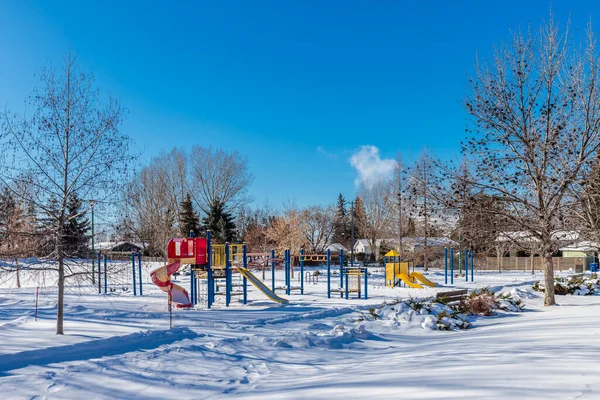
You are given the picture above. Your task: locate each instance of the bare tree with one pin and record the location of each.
(426, 193)
(536, 112)
(71, 144)
(379, 219)
(587, 196)
(152, 207)
(318, 224)
(219, 177)
(286, 230)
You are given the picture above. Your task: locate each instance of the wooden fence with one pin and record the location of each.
(577, 264)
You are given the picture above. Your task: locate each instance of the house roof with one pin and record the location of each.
(108, 246)
(528, 236)
(412, 242)
(336, 247)
(363, 242)
(584, 246)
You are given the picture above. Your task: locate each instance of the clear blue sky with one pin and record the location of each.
(297, 86)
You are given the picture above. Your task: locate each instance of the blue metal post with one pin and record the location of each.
(210, 283)
(193, 282)
(385, 261)
(289, 272)
(273, 270)
(346, 287)
(452, 266)
(105, 274)
(347, 290)
(472, 266)
(445, 265)
(466, 261)
(366, 283)
(341, 268)
(192, 286)
(132, 270)
(328, 273)
(244, 280)
(140, 269)
(100, 275)
(227, 276)
(285, 271)
(301, 271)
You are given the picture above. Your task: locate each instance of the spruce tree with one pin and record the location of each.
(7, 207)
(188, 219)
(220, 222)
(341, 225)
(76, 229)
(48, 226)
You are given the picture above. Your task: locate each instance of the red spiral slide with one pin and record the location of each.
(162, 278)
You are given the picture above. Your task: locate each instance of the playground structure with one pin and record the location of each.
(465, 259)
(214, 267)
(350, 276)
(113, 274)
(215, 264)
(398, 272)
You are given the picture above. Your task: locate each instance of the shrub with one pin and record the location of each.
(482, 303)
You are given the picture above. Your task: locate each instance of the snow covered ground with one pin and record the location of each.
(119, 346)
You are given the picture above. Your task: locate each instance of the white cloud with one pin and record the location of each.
(370, 167)
(321, 150)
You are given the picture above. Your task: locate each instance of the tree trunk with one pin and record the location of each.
(18, 275)
(61, 292)
(549, 280)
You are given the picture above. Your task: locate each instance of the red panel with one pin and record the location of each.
(186, 248)
(201, 249)
(180, 248)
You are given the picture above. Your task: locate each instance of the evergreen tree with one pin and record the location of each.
(11, 220)
(220, 222)
(76, 229)
(188, 219)
(48, 226)
(341, 225)
(7, 207)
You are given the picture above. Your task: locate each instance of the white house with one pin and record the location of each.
(362, 246)
(409, 244)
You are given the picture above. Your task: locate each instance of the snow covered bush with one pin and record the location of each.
(435, 314)
(484, 302)
(579, 285)
(425, 312)
(479, 303)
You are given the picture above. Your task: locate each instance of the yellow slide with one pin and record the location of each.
(419, 276)
(409, 281)
(261, 286)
